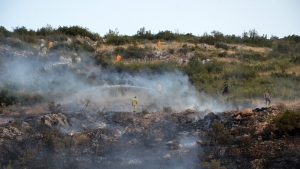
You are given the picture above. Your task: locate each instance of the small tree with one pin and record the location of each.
(288, 121)
(54, 108)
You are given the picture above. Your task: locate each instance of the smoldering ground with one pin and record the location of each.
(96, 91)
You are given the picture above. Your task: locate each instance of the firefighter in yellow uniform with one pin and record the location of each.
(159, 43)
(50, 44)
(137, 43)
(119, 58)
(134, 103)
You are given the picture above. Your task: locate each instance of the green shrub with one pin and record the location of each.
(288, 121)
(166, 35)
(134, 52)
(54, 108)
(113, 38)
(119, 50)
(295, 59)
(223, 54)
(87, 47)
(184, 49)
(282, 47)
(142, 34)
(117, 40)
(27, 99)
(58, 37)
(76, 45)
(200, 56)
(253, 56)
(102, 60)
(218, 126)
(245, 72)
(63, 47)
(4, 32)
(221, 134)
(77, 30)
(50, 137)
(8, 98)
(223, 138)
(171, 51)
(275, 54)
(221, 45)
(25, 35)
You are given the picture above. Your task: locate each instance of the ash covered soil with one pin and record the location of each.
(69, 138)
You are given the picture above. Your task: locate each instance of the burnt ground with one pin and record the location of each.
(163, 139)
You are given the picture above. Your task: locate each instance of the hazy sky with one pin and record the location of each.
(271, 17)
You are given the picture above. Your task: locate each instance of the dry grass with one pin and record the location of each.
(257, 49)
(81, 139)
(228, 60)
(35, 110)
(294, 70)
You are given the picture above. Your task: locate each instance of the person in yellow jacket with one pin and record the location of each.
(50, 44)
(134, 103)
(159, 43)
(119, 58)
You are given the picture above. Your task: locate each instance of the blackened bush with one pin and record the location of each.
(134, 52)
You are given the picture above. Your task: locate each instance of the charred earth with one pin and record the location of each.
(246, 138)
